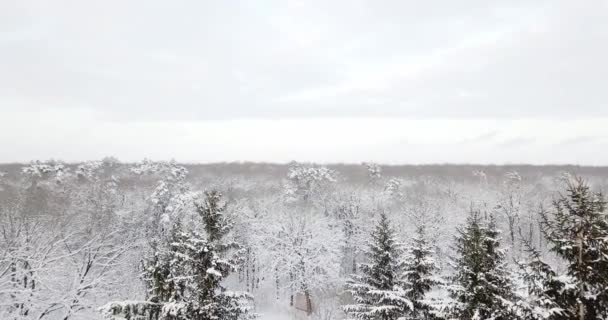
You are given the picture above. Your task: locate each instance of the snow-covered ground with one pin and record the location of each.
(281, 314)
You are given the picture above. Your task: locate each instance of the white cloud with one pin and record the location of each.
(198, 64)
(76, 134)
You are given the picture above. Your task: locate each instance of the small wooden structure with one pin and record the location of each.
(303, 302)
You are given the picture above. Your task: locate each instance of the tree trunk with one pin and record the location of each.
(581, 305)
(291, 289)
(247, 270)
(276, 281)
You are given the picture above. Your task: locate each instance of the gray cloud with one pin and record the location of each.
(209, 60)
(581, 140)
(516, 142)
(463, 81)
(485, 137)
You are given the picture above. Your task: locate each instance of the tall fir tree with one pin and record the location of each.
(379, 291)
(577, 230)
(185, 273)
(160, 272)
(481, 288)
(420, 275)
(545, 291)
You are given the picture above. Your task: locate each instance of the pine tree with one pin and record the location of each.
(480, 288)
(185, 273)
(379, 291)
(211, 265)
(159, 269)
(546, 292)
(577, 231)
(419, 274)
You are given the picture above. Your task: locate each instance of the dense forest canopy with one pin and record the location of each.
(164, 240)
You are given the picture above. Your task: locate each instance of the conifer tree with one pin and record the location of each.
(481, 288)
(159, 270)
(577, 231)
(379, 291)
(212, 265)
(185, 273)
(546, 292)
(419, 274)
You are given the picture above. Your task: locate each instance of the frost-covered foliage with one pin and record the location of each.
(481, 175)
(41, 169)
(374, 171)
(171, 197)
(307, 181)
(92, 171)
(349, 214)
(392, 189)
(59, 244)
(2, 180)
(48, 275)
(577, 230)
(51, 171)
(304, 254)
(379, 291)
(481, 287)
(131, 310)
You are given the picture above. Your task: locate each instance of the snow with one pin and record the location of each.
(78, 235)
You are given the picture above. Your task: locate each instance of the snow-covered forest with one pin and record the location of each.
(160, 240)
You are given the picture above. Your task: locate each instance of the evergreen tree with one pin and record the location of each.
(214, 301)
(546, 292)
(159, 269)
(480, 288)
(379, 291)
(185, 273)
(419, 274)
(577, 231)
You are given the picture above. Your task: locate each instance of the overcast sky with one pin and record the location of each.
(329, 81)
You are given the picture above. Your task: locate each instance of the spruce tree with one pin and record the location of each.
(546, 292)
(481, 288)
(420, 268)
(379, 291)
(160, 271)
(211, 264)
(577, 230)
(186, 270)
